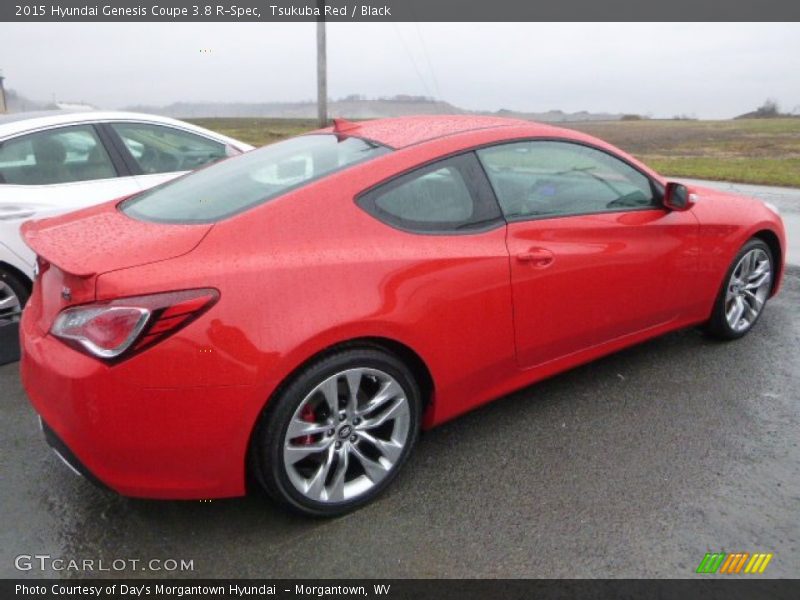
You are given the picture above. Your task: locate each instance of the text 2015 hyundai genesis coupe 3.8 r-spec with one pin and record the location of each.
(296, 314)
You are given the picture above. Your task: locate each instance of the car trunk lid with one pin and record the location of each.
(74, 249)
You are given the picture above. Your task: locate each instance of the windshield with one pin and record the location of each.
(239, 183)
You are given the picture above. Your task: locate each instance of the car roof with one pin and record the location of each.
(16, 123)
(401, 132)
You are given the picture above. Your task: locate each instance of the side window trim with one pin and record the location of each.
(117, 160)
(656, 188)
(475, 179)
(119, 146)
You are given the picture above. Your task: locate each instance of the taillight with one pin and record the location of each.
(106, 332)
(119, 328)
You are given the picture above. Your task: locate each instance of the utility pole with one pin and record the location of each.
(322, 68)
(3, 105)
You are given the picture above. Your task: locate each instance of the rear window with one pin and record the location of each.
(239, 183)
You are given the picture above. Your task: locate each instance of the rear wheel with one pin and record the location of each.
(337, 435)
(13, 296)
(744, 293)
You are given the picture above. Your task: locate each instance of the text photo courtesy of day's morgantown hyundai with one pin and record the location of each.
(429, 300)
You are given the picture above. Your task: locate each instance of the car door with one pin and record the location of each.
(593, 254)
(157, 153)
(52, 171)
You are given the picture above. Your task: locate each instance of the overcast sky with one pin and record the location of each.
(707, 70)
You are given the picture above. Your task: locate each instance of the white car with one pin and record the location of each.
(56, 162)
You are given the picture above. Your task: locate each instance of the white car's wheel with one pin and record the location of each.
(13, 296)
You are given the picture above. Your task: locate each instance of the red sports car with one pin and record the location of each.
(298, 313)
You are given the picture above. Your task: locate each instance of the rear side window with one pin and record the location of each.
(159, 149)
(239, 183)
(449, 195)
(61, 155)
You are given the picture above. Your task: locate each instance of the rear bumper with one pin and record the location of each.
(65, 454)
(183, 442)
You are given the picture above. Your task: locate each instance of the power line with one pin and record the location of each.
(413, 62)
(428, 60)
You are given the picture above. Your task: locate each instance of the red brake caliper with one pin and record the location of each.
(307, 414)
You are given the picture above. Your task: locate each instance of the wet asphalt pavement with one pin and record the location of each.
(633, 466)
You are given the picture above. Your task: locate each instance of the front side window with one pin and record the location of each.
(160, 149)
(545, 178)
(62, 155)
(239, 183)
(449, 195)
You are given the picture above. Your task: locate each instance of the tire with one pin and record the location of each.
(14, 294)
(334, 460)
(741, 284)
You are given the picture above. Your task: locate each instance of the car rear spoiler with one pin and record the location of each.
(45, 248)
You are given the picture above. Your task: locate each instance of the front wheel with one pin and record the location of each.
(337, 435)
(744, 293)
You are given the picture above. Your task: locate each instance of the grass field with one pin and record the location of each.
(765, 151)
(256, 131)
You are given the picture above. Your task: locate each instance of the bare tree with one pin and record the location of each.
(770, 108)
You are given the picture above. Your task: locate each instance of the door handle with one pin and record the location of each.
(537, 257)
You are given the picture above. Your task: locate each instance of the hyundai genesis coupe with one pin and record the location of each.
(294, 316)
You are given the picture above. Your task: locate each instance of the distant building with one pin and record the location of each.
(74, 106)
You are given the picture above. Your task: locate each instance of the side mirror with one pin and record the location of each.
(678, 197)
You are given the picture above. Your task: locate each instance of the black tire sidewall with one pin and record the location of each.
(719, 323)
(267, 444)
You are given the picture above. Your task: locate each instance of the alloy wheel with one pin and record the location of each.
(10, 304)
(347, 435)
(747, 289)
